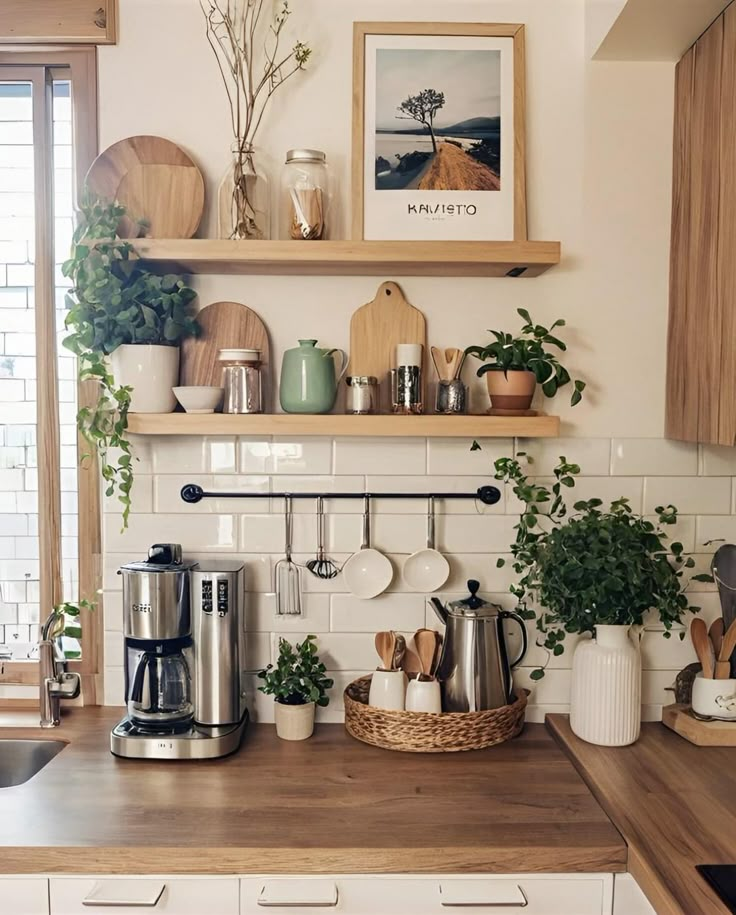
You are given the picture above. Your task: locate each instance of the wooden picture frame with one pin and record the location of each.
(512, 151)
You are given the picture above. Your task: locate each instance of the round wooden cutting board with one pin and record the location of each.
(155, 180)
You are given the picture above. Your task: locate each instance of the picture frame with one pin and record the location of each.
(433, 163)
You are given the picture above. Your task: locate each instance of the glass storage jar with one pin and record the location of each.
(241, 380)
(304, 196)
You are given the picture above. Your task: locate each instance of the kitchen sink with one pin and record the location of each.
(20, 760)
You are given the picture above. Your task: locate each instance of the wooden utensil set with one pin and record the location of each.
(714, 647)
(395, 655)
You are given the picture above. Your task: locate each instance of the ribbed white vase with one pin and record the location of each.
(605, 700)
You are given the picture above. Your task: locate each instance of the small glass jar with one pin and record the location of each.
(304, 196)
(362, 394)
(241, 380)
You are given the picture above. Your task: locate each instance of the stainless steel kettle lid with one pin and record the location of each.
(473, 606)
(162, 557)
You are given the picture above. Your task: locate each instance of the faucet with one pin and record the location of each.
(55, 682)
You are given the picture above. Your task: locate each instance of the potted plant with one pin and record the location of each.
(298, 684)
(514, 365)
(597, 572)
(124, 326)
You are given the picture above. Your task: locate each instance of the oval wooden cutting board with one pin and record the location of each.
(155, 180)
(225, 325)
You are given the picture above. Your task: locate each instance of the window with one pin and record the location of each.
(49, 503)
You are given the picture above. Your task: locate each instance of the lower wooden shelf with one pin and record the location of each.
(429, 426)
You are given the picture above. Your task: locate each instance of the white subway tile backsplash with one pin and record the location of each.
(114, 649)
(475, 533)
(389, 456)
(339, 650)
(305, 483)
(401, 612)
(703, 495)
(425, 484)
(260, 614)
(304, 455)
(592, 454)
(453, 457)
(194, 454)
(717, 460)
(167, 494)
(198, 532)
(715, 527)
(640, 457)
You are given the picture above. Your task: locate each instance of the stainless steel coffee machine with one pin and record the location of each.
(184, 657)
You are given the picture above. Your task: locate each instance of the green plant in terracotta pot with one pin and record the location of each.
(515, 365)
(298, 684)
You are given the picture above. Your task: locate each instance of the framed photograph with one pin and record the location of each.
(438, 131)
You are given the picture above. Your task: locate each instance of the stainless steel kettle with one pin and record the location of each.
(474, 669)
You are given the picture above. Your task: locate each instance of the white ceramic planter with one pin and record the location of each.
(605, 699)
(294, 722)
(714, 698)
(152, 371)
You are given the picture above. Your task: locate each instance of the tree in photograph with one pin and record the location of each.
(423, 108)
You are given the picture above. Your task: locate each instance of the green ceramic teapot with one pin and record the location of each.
(308, 379)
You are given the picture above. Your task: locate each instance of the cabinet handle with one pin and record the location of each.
(112, 894)
(490, 905)
(295, 904)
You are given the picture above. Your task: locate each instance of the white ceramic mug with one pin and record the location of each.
(388, 690)
(714, 698)
(423, 696)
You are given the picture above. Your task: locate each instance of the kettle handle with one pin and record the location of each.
(510, 615)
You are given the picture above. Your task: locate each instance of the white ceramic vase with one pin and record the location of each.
(294, 722)
(153, 373)
(605, 700)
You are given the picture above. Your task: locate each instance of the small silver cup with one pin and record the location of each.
(451, 396)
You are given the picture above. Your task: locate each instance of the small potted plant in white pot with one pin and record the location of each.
(515, 365)
(596, 572)
(298, 685)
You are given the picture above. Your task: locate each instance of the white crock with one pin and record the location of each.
(605, 699)
(152, 371)
(294, 722)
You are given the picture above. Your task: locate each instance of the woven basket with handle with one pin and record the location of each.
(421, 732)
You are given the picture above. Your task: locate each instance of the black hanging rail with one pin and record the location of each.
(488, 495)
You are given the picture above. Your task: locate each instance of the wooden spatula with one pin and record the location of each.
(703, 647)
(425, 641)
(410, 663)
(723, 662)
(385, 646)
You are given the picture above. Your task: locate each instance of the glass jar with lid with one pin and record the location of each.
(304, 196)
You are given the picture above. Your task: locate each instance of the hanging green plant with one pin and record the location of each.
(114, 300)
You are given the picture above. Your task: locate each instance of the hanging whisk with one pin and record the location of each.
(322, 566)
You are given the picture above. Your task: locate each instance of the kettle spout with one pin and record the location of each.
(439, 609)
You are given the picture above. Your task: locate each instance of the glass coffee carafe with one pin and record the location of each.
(159, 694)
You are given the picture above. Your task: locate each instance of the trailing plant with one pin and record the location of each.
(115, 299)
(299, 675)
(66, 622)
(592, 566)
(529, 351)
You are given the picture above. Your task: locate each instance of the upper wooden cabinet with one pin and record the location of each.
(701, 344)
(58, 21)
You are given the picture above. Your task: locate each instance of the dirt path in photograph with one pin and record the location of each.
(452, 169)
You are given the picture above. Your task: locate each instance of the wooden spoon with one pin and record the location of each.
(425, 641)
(385, 646)
(703, 646)
(723, 664)
(410, 663)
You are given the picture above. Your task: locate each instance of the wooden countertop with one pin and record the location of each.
(329, 804)
(675, 805)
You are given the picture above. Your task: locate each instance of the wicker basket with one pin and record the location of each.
(421, 732)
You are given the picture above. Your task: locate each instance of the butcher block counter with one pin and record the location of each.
(326, 805)
(675, 805)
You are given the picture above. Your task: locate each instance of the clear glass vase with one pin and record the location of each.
(243, 198)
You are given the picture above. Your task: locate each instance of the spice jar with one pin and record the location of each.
(304, 195)
(362, 394)
(241, 379)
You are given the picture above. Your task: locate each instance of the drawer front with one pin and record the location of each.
(24, 896)
(516, 894)
(628, 897)
(139, 896)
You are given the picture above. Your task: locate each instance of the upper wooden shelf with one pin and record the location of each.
(350, 258)
(333, 424)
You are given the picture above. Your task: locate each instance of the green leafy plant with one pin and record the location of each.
(298, 676)
(115, 299)
(592, 566)
(66, 622)
(529, 352)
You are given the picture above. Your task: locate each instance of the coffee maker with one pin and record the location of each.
(184, 657)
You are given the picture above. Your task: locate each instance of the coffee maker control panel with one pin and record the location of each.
(216, 596)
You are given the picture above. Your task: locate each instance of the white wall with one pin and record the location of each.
(599, 156)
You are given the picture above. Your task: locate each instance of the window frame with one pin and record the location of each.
(39, 66)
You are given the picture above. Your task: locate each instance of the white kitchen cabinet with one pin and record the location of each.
(159, 895)
(628, 898)
(509, 894)
(24, 896)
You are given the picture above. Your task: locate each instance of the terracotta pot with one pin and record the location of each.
(294, 722)
(512, 390)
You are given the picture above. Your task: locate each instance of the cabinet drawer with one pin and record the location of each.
(514, 894)
(175, 896)
(24, 896)
(628, 897)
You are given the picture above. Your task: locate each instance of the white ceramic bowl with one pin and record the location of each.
(426, 570)
(367, 573)
(714, 698)
(199, 398)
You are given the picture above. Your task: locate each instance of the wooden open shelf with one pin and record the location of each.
(431, 425)
(350, 258)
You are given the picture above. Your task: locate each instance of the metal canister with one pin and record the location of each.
(451, 396)
(241, 379)
(406, 389)
(362, 394)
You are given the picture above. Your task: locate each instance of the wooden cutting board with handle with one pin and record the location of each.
(155, 180)
(225, 325)
(376, 328)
